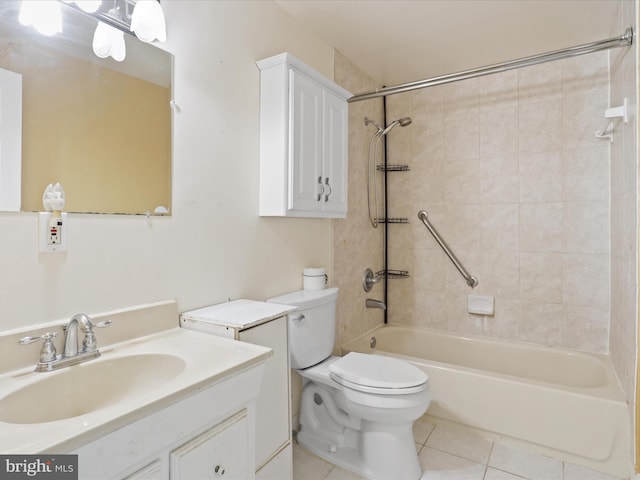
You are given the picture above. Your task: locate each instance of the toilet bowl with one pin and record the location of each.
(356, 411)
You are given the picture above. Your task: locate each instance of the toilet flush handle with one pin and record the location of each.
(298, 318)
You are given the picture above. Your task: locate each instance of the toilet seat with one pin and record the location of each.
(378, 374)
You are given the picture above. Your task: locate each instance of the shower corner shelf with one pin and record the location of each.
(393, 220)
(392, 274)
(392, 168)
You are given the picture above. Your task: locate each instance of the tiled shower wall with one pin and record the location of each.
(511, 174)
(624, 202)
(356, 244)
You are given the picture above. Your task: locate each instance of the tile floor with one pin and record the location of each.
(449, 452)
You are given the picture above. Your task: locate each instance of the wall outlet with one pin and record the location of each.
(52, 233)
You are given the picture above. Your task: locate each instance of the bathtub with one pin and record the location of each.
(569, 404)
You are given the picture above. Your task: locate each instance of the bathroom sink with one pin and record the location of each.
(87, 387)
(63, 410)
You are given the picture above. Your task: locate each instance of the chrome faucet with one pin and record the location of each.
(49, 360)
(71, 335)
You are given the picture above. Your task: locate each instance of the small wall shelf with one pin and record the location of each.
(392, 274)
(392, 168)
(393, 220)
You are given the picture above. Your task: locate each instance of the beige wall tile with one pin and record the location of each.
(499, 180)
(586, 227)
(585, 174)
(541, 323)
(540, 83)
(540, 127)
(541, 227)
(586, 279)
(540, 176)
(541, 277)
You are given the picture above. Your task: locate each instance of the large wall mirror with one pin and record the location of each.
(99, 127)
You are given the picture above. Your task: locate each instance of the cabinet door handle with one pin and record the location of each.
(322, 187)
(326, 182)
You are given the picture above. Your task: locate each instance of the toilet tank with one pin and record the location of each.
(312, 326)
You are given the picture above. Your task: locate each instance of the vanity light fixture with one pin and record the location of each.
(146, 21)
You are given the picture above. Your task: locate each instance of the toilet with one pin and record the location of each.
(356, 411)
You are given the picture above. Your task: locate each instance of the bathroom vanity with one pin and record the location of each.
(161, 402)
(265, 324)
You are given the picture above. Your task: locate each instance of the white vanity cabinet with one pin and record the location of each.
(196, 438)
(265, 324)
(303, 141)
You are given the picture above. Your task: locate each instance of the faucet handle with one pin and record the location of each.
(48, 350)
(89, 343)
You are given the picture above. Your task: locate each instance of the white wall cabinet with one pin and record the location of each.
(263, 324)
(303, 141)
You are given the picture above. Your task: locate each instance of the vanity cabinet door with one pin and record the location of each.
(306, 180)
(220, 452)
(335, 158)
(153, 471)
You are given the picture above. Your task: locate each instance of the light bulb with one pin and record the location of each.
(44, 15)
(89, 6)
(147, 21)
(109, 41)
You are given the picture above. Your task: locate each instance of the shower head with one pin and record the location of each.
(404, 121)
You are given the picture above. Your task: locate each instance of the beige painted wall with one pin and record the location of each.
(215, 246)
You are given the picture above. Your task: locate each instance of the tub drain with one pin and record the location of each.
(317, 399)
(373, 342)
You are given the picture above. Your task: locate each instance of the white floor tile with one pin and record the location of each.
(493, 474)
(421, 430)
(462, 442)
(306, 466)
(575, 472)
(438, 465)
(340, 474)
(525, 463)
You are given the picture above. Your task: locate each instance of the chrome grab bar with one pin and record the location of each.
(470, 279)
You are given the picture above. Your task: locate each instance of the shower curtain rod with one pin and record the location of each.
(622, 41)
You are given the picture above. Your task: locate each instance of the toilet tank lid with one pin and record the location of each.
(307, 298)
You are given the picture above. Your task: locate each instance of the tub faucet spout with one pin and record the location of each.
(371, 303)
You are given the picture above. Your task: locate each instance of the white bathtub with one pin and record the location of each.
(568, 403)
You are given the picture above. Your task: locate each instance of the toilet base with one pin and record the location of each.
(390, 457)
